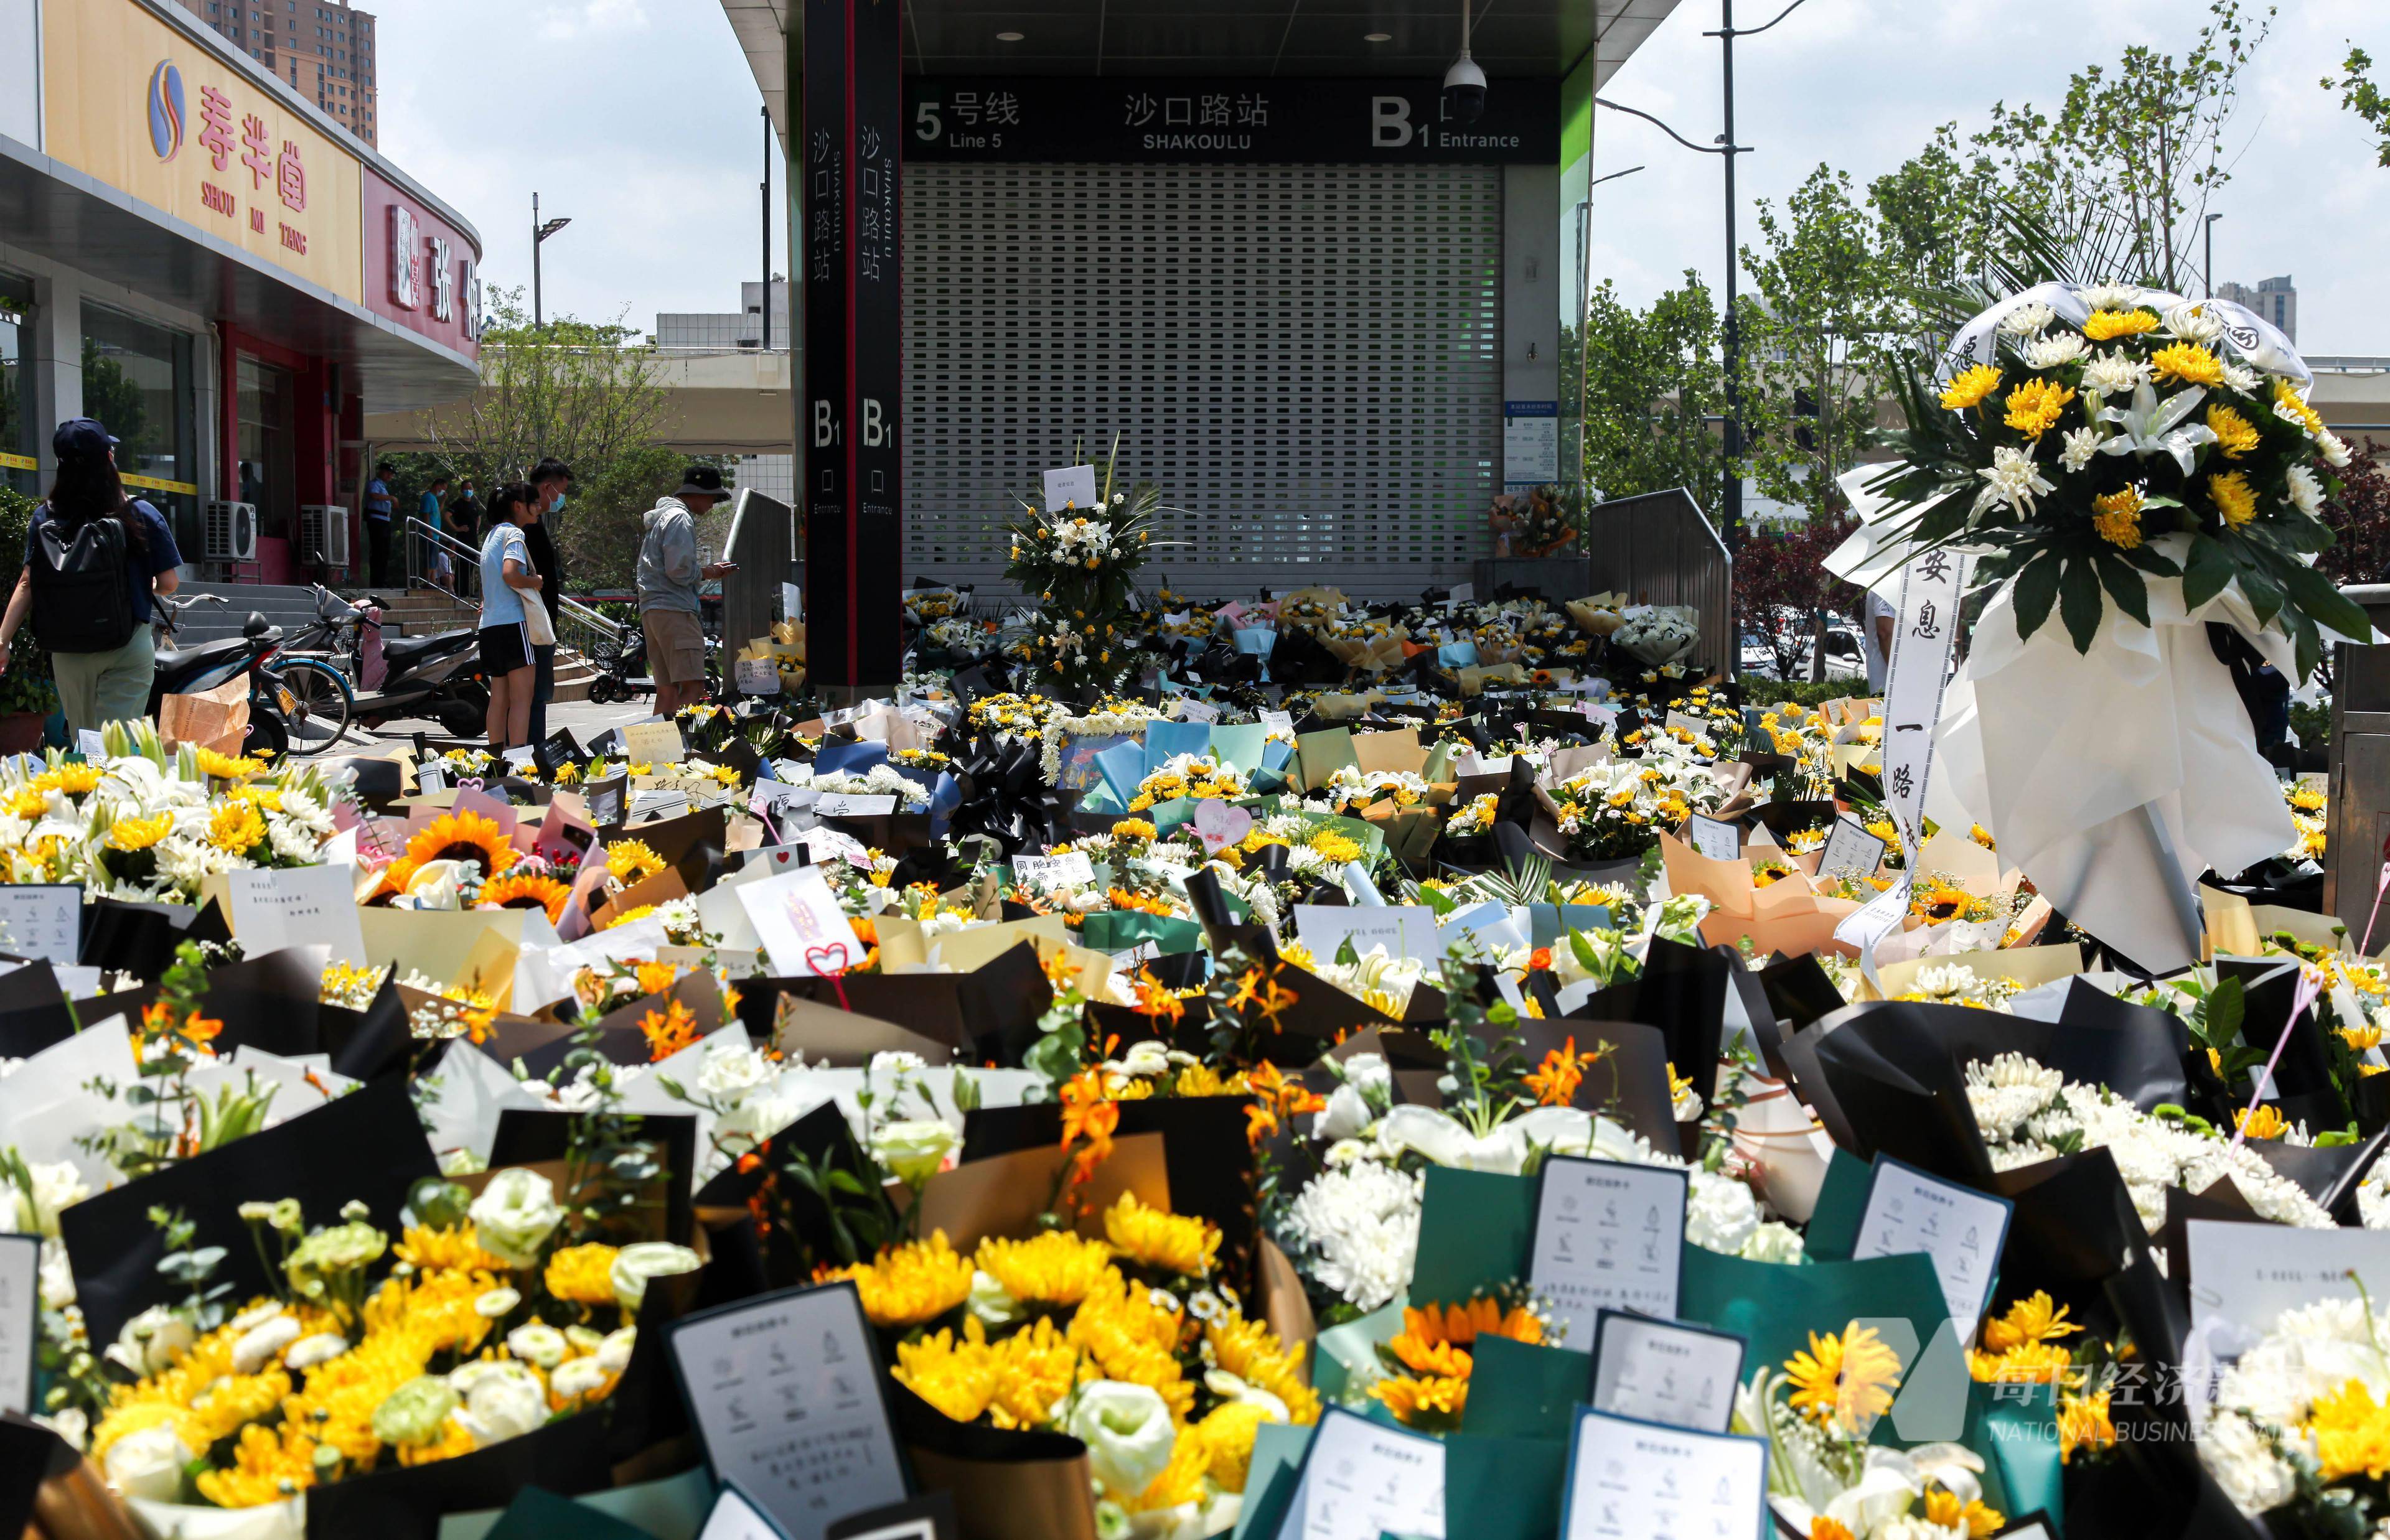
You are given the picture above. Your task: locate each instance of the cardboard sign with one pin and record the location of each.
(1665, 1371)
(301, 907)
(20, 1320)
(757, 676)
(798, 920)
(2248, 1274)
(1608, 1234)
(837, 806)
(430, 775)
(1072, 487)
(1850, 852)
(1960, 1228)
(1361, 1479)
(1053, 871)
(1628, 1480)
(1404, 930)
(657, 803)
(43, 921)
(1711, 836)
(784, 1392)
(652, 743)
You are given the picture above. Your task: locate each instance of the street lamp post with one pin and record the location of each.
(539, 233)
(2207, 263)
(766, 111)
(1731, 348)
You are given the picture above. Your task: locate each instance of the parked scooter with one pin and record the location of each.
(435, 676)
(622, 669)
(210, 665)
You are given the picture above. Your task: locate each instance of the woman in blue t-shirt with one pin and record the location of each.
(112, 686)
(505, 650)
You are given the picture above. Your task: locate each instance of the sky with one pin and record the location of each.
(1861, 85)
(638, 120)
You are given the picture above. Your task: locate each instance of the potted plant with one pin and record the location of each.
(27, 696)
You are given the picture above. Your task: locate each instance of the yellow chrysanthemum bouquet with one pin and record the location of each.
(2089, 438)
(481, 1324)
(1130, 1342)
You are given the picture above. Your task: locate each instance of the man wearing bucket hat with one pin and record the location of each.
(669, 575)
(94, 558)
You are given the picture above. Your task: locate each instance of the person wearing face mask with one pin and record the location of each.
(548, 481)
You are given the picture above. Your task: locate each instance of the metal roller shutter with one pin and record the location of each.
(1306, 359)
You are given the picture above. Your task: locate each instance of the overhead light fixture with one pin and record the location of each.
(1010, 37)
(1377, 37)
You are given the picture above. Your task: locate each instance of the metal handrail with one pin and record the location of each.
(442, 538)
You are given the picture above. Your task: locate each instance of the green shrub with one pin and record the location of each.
(26, 687)
(1801, 692)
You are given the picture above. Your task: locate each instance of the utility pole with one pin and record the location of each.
(1730, 340)
(766, 307)
(2207, 263)
(539, 233)
(1730, 343)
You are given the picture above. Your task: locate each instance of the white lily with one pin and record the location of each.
(2151, 427)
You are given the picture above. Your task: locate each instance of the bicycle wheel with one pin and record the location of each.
(316, 703)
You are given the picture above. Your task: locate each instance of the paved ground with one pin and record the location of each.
(585, 718)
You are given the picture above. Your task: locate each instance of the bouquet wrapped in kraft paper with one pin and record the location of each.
(216, 719)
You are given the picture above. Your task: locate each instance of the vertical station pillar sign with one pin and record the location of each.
(847, 426)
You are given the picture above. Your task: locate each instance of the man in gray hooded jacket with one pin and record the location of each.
(669, 575)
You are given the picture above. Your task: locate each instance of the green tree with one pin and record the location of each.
(2361, 95)
(591, 394)
(1652, 386)
(2139, 148)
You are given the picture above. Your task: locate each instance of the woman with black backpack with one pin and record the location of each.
(94, 556)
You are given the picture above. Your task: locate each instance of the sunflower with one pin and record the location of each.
(75, 781)
(1846, 1379)
(1436, 1340)
(462, 836)
(632, 861)
(526, 890)
(225, 767)
(1432, 1401)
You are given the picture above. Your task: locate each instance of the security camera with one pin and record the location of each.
(1464, 90)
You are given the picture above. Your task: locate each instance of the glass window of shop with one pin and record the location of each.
(267, 407)
(137, 380)
(19, 440)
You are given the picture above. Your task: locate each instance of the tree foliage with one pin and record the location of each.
(1652, 382)
(2360, 519)
(591, 394)
(2361, 95)
(1781, 587)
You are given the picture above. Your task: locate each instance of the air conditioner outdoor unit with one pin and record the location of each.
(231, 531)
(323, 532)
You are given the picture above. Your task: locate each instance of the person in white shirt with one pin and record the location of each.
(1875, 638)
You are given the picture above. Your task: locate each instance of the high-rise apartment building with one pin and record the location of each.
(2276, 300)
(325, 48)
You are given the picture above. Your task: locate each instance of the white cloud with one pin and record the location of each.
(591, 17)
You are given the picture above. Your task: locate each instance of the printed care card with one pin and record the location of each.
(1607, 1234)
(1961, 1229)
(1635, 1481)
(1362, 1479)
(785, 1394)
(1665, 1371)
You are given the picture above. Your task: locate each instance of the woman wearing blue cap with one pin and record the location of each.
(93, 559)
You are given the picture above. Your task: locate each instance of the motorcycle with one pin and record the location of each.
(435, 676)
(622, 669)
(189, 671)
